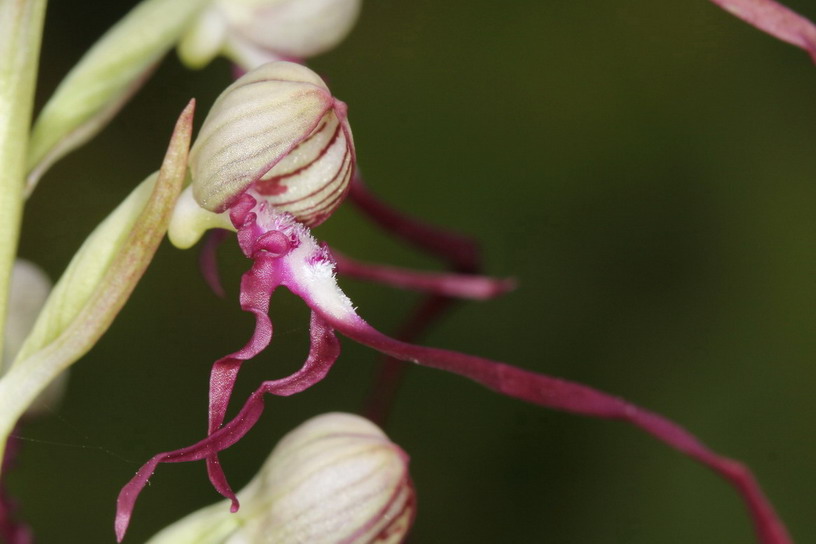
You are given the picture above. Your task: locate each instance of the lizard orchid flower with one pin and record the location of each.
(274, 157)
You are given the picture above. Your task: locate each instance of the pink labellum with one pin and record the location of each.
(285, 254)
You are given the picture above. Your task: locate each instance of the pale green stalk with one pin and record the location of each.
(21, 23)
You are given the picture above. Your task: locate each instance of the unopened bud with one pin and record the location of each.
(252, 32)
(278, 131)
(29, 290)
(336, 478)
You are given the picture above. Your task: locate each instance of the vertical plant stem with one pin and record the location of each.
(21, 23)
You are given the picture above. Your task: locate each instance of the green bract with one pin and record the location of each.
(97, 282)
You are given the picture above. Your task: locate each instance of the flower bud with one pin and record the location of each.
(279, 132)
(252, 32)
(336, 478)
(29, 290)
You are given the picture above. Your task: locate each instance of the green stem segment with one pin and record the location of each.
(21, 23)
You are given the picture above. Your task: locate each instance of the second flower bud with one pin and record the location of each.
(336, 478)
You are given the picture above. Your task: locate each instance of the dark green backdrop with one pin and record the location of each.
(645, 169)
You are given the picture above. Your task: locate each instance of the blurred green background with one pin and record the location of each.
(644, 169)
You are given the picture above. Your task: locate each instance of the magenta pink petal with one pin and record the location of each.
(449, 285)
(257, 286)
(218, 441)
(323, 353)
(568, 396)
(775, 19)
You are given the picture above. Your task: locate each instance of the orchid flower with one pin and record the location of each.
(275, 157)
